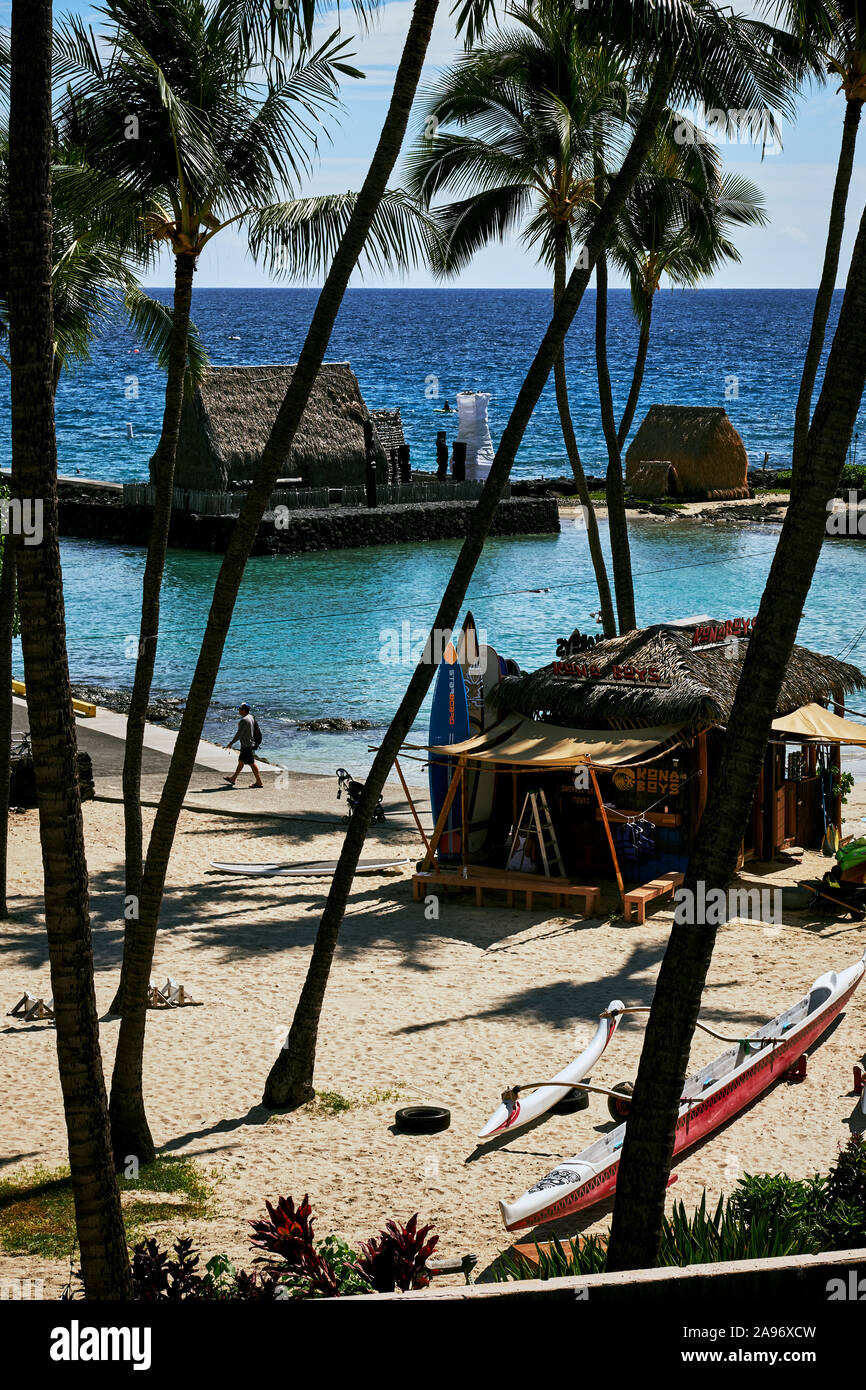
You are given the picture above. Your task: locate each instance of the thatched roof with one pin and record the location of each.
(709, 456)
(388, 425)
(225, 427)
(655, 479)
(692, 685)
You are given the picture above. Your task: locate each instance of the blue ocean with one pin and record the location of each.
(417, 348)
(336, 633)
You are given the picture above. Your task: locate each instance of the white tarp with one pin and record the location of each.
(474, 432)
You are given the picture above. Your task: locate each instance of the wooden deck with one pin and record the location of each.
(478, 879)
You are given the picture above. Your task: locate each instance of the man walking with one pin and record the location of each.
(246, 740)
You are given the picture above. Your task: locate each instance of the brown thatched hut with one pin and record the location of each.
(225, 427)
(685, 677)
(698, 443)
(388, 425)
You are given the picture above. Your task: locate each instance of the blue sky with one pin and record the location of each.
(797, 182)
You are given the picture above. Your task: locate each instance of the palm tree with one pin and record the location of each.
(524, 104)
(833, 35)
(8, 629)
(358, 216)
(193, 111)
(104, 1262)
(676, 225)
(648, 1147)
(96, 233)
(714, 53)
(682, 50)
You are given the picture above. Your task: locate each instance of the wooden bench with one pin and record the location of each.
(635, 901)
(478, 879)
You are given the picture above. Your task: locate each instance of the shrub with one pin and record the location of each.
(396, 1259)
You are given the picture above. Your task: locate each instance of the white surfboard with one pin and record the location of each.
(320, 868)
(513, 1114)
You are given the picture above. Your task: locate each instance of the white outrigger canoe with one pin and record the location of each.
(513, 1114)
(711, 1096)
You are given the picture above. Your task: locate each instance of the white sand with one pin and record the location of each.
(444, 1012)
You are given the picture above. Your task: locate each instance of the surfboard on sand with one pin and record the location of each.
(316, 868)
(449, 723)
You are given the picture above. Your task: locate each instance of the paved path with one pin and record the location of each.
(293, 795)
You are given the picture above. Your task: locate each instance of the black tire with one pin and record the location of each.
(422, 1119)
(571, 1102)
(618, 1109)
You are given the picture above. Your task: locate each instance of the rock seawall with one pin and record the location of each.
(331, 528)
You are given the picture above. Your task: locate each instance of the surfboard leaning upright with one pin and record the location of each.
(449, 723)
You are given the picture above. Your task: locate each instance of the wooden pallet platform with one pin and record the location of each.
(479, 879)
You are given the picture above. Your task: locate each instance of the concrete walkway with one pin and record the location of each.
(285, 795)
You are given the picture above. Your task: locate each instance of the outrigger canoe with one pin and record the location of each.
(513, 1114)
(711, 1096)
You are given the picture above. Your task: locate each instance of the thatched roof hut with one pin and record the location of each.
(225, 427)
(707, 454)
(388, 425)
(657, 675)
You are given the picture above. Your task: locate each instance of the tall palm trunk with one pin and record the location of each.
(648, 1147)
(824, 297)
(560, 379)
(617, 522)
(290, 1081)
(130, 1130)
(7, 624)
(104, 1262)
(163, 474)
(637, 375)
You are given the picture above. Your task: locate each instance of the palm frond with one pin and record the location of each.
(152, 323)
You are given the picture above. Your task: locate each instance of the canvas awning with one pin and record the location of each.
(814, 723)
(519, 742)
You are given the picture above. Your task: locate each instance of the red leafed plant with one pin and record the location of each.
(396, 1259)
(288, 1239)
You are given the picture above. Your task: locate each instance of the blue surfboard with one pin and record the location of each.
(449, 723)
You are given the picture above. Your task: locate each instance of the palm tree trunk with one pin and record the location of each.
(163, 474)
(7, 624)
(608, 618)
(824, 297)
(130, 1130)
(637, 376)
(622, 580)
(104, 1262)
(290, 1080)
(648, 1147)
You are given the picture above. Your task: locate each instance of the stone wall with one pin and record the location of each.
(332, 528)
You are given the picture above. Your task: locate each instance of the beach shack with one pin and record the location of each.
(602, 760)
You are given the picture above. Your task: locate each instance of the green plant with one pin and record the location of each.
(843, 783)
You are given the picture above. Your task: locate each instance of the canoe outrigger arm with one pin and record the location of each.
(705, 1027)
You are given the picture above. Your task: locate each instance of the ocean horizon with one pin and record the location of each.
(415, 349)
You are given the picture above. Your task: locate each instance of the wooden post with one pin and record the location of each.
(443, 814)
(464, 833)
(369, 464)
(839, 708)
(415, 815)
(606, 823)
(441, 456)
(703, 781)
(404, 465)
(458, 461)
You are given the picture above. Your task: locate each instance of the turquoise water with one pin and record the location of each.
(309, 631)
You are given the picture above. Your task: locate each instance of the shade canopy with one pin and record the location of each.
(518, 742)
(817, 724)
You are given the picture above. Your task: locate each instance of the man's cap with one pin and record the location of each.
(243, 705)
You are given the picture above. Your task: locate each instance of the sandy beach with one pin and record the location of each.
(418, 1010)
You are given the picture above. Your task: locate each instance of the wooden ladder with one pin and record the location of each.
(535, 819)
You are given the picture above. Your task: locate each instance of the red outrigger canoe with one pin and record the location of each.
(710, 1097)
